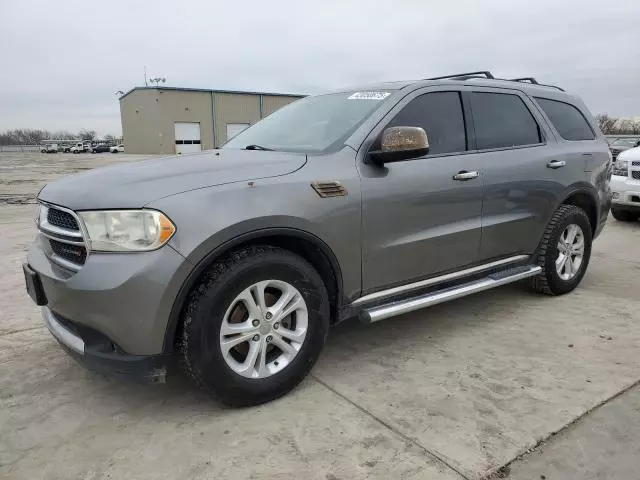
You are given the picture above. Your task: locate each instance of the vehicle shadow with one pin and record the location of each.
(349, 343)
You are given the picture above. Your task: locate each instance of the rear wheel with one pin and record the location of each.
(623, 215)
(255, 325)
(564, 252)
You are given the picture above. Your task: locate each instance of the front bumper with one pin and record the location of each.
(97, 353)
(125, 297)
(626, 192)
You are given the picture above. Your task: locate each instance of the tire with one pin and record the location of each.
(624, 215)
(212, 302)
(550, 281)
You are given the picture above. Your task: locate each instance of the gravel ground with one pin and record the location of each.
(456, 391)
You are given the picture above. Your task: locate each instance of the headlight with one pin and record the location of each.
(621, 167)
(127, 230)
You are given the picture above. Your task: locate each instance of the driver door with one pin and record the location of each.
(418, 219)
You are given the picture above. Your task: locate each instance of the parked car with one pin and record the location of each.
(625, 185)
(100, 148)
(66, 148)
(369, 203)
(81, 147)
(49, 148)
(621, 144)
(117, 148)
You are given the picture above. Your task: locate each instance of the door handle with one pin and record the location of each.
(556, 164)
(465, 175)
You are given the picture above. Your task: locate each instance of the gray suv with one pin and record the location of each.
(369, 203)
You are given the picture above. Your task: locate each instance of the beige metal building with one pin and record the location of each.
(181, 120)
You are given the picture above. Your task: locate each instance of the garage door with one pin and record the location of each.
(187, 137)
(235, 128)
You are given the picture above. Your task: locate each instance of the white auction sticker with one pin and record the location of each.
(369, 96)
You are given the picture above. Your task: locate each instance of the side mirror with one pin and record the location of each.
(400, 143)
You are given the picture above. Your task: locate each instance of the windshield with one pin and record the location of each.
(311, 124)
(624, 142)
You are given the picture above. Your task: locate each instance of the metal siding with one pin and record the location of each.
(188, 107)
(139, 116)
(271, 103)
(148, 115)
(234, 108)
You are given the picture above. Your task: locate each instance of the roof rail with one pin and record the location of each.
(488, 75)
(464, 76)
(534, 82)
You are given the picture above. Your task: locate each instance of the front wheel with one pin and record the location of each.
(623, 215)
(564, 252)
(255, 325)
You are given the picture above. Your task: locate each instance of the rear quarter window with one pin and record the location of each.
(567, 119)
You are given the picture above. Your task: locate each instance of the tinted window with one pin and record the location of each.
(440, 114)
(502, 120)
(569, 122)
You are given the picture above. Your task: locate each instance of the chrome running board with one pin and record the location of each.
(440, 279)
(382, 312)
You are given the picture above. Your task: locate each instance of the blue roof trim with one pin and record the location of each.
(209, 90)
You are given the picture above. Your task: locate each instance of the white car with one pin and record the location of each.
(625, 186)
(117, 148)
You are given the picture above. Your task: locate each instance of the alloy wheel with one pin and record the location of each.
(263, 329)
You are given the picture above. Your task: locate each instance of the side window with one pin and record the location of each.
(440, 114)
(568, 120)
(502, 120)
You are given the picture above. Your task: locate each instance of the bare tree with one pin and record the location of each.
(63, 135)
(618, 126)
(85, 134)
(606, 123)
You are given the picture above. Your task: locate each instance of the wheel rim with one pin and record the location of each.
(263, 329)
(570, 252)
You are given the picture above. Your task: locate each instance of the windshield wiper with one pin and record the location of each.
(258, 147)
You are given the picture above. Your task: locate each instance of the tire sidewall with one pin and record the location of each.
(205, 351)
(557, 284)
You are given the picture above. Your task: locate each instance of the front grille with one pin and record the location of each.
(635, 164)
(62, 219)
(72, 253)
(635, 174)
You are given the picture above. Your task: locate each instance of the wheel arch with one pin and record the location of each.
(584, 197)
(307, 245)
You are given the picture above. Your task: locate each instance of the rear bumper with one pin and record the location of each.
(97, 353)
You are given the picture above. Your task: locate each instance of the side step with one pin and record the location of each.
(497, 279)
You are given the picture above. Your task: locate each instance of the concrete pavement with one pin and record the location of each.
(455, 391)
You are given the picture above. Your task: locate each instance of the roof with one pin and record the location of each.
(479, 82)
(209, 90)
(480, 79)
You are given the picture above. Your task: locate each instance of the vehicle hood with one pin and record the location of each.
(133, 185)
(630, 154)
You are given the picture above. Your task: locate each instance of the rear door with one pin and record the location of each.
(524, 173)
(417, 219)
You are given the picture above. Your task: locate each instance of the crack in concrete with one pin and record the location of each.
(496, 472)
(11, 332)
(436, 456)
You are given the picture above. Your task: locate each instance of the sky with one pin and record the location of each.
(64, 60)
